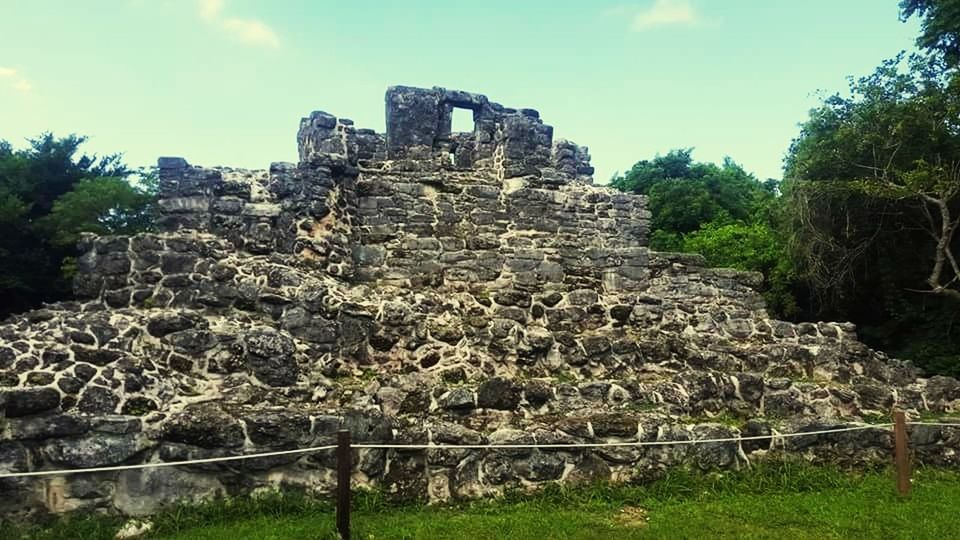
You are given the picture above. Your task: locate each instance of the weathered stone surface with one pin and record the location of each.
(537, 392)
(406, 478)
(542, 467)
(142, 493)
(752, 429)
(943, 389)
(458, 399)
(98, 400)
(29, 401)
(116, 424)
(270, 358)
(498, 393)
(277, 428)
(715, 455)
(47, 426)
(588, 470)
(7, 357)
(415, 402)
(450, 433)
(614, 424)
(13, 457)
(367, 425)
(206, 426)
(424, 287)
(94, 450)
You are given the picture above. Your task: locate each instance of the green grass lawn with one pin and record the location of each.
(775, 501)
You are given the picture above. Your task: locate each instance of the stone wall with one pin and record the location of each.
(419, 286)
(467, 231)
(512, 143)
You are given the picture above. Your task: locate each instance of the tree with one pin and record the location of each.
(103, 205)
(755, 247)
(49, 193)
(940, 26)
(883, 162)
(720, 211)
(685, 195)
(645, 174)
(680, 205)
(873, 193)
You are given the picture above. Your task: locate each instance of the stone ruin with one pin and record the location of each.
(419, 286)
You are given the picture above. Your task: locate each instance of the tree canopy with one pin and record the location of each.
(720, 211)
(863, 226)
(940, 26)
(685, 194)
(49, 193)
(873, 202)
(880, 162)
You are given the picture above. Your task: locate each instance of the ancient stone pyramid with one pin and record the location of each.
(419, 286)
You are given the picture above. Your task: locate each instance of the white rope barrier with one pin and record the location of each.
(159, 464)
(609, 444)
(940, 424)
(438, 447)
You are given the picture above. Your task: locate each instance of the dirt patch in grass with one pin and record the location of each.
(632, 516)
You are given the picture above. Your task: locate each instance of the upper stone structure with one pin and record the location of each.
(418, 286)
(371, 208)
(514, 143)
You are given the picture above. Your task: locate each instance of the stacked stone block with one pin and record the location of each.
(419, 286)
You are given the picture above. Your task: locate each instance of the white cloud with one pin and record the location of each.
(252, 31)
(660, 13)
(210, 9)
(249, 31)
(23, 85)
(19, 84)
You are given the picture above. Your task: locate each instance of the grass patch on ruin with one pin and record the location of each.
(944, 417)
(724, 419)
(771, 501)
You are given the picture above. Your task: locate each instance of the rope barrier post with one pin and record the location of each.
(344, 464)
(901, 452)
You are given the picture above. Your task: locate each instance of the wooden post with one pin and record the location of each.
(901, 452)
(344, 464)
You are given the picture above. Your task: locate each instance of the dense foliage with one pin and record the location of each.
(719, 211)
(49, 193)
(940, 26)
(873, 184)
(865, 229)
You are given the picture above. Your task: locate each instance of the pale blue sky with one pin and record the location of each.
(225, 82)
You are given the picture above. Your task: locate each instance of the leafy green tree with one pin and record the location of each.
(102, 205)
(873, 195)
(679, 206)
(685, 194)
(647, 173)
(49, 193)
(940, 26)
(756, 247)
(883, 163)
(720, 211)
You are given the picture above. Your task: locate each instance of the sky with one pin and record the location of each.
(225, 82)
